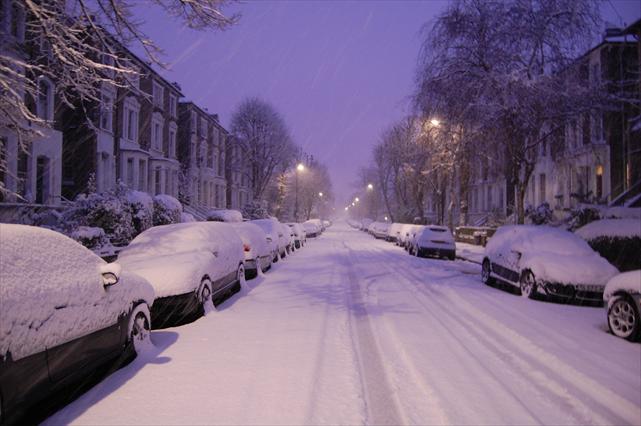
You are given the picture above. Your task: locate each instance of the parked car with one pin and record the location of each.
(190, 265)
(622, 296)
(319, 223)
(365, 223)
(311, 230)
(394, 232)
(379, 229)
(410, 235)
(255, 247)
(64, 313)
(275, 234)
(299, 234)
(434, 240)
(545, 260)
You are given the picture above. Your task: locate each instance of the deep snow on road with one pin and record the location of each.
(353, 330)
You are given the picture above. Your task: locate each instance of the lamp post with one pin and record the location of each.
(370, 187)
(299, 168)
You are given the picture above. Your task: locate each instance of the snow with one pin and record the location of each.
(87, 233)
(352, 330)
(470, 252)
(553, 255)
(168, 202)
(311, 228)
(395, 230)
(623, 228)
(174, 258)
(51, 291)
(433, 236)
(271, 228)
(254, 237)
(187, 217)
(224, 215)
(143, 199)
(627, 281)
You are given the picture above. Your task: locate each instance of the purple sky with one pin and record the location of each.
(339, 72)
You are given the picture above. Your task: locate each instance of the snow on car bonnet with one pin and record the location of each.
(51, 291)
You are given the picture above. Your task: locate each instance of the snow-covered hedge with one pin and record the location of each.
(541, 215)
(90, 236)
(617, 240)
(109, 211)
(224, 215)
(142, 210)
(167, 210)
(255, 210)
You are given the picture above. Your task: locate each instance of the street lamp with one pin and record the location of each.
(356, 200)
(385, 218)
(346, 208)
(320, 194)
(370, 186)
(353, 204)
(299, 168)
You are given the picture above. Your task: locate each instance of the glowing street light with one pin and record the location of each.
(300, 167)
(320, 194)
(385, 218)
(434, 122)
(370, 186)
(353, 204)
(356, 200)
(346, 208)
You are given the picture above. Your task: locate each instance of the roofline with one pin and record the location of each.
(633, 27)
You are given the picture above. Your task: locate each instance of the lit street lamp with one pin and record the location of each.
(370, 186)
(356, 200)
(299, 168)
(346, 208)
(320, 194)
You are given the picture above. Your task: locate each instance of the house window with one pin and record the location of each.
(172, 105)
(45, 99)
(172, 143)
(203, 128)
(158, 94)
(221, 165)
(142, 174)
(17, 21)
(42, 180)
(156, 136)
(130, 172)
(130, 120)
(194, 121)
(108, 60)
(106, 112)
(542, 188)
(157, 181)
(599, 181)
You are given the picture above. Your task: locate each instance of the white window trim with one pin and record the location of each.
(157, 119)
(131, 104)
(173, 105)
(107, 91)
(173, 128)
(157, 88)
(48, 114)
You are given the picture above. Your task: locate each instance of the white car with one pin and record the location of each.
(299, 234)
(394, 232)
(546, 260)
(410, 233)
(64, 312)
(311, 230)
(190, 265)
(622, 296)
(379, 229)
(434, 240)
(275, 236)
(255, 247)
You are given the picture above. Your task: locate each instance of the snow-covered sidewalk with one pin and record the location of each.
(352, 330)
(470, 252)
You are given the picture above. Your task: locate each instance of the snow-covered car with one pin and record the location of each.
(63, 313)
(299, 234)
(408, 235)
(380, 229)
(327, 224)
(287, 238)
(394, 232)
(365, 223)
(546, 260)
(190, 266)
(224, 215)
(257, 252)
(311, 230)
(434, 240)
(319, 224)
(275, 236)
(622, 296)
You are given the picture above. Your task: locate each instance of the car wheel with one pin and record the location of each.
(205, 296)
(623, 319)
(486, 276)
(452, 257)
(139, 330)
(240, 276)
(528, 284)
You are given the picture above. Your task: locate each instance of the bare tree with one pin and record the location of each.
(269, 146)
(76, 44)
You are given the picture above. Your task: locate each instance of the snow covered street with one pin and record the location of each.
(353, 330)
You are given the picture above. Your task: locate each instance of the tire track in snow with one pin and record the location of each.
(517, 347)
(381, 405)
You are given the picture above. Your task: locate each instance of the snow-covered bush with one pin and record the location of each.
(90, 236)
(617, 240)
(142, 210)
(582, 215)
(167, 210)
(109, 211)
(255, 210)
(224, 215)
(187, 217)
(541, 215)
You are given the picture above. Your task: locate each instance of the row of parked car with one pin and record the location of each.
(64, 311)
(538, 261)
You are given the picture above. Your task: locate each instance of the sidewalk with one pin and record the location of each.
(470, 252)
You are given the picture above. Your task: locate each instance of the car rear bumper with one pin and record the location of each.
(439, 252)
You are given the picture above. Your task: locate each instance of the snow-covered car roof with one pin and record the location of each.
(443, 233)
(553, 255)
(623, 228)
(395, 229)
(225, 215)
(630, 282)
(51, 290)
(172, 257)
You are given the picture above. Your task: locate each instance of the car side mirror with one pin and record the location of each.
(517, 253)
(110, 274)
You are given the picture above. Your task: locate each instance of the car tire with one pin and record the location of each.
(205, 296)
(139, 329)
(486, 275)
(623, 319)
(527, 283)
(240, 276)
(452, 257)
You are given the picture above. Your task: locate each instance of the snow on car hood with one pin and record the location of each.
(569, 269)
(51, 291)
(173, 274)
(255, 237)
(627, 281)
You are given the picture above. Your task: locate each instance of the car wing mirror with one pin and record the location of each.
(110, 274)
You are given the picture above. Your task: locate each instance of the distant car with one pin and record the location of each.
(379, 229)
(546, 260)
(190, 265)
(275, 236)
(434, 240)
(311, 230)
(622, 296)
(299, 234)
(327, 224)
(64, 312)
(411, 232)
(394, 232)
(255, 248)
(365, 223)
(319, 223)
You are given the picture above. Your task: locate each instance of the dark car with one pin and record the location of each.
(64, 313)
